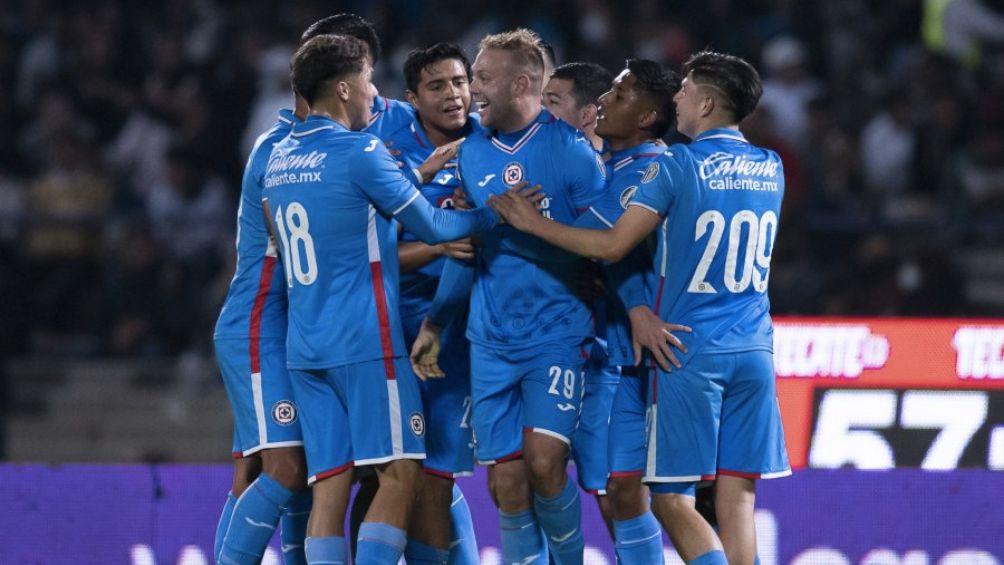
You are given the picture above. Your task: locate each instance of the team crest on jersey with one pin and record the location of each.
(602, 166)
(650, 173)
(627, 195)
(284, 412)
(417, 423)
(512, 174)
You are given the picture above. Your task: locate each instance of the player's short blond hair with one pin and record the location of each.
(524, 45)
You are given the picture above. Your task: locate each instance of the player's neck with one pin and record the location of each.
(713, 124)
(622, 143)
(332, 108)
(439, 136)
(590, 132)
(300, 108)
(524, 113)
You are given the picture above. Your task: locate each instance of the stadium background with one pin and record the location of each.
(125, 127)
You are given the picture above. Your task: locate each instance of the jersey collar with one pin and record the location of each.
(314, 124)
(287, 116)
(620, 159)
(721, 133)
(544, 117)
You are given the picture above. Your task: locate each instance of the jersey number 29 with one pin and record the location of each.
(296, 222)
(759, 247)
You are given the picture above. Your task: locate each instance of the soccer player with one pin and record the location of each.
(572, 93)
(715, 204)
(331, 196)
(527, 330)
(438, 87)
(250, 349)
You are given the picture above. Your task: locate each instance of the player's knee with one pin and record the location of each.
(287, 466)
(510, 490)
(672, 505)
(625, 494)
(402, 475)
(546, 471)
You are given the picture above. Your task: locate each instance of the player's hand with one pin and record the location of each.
(590, 282)
(518, 206)
(391, 149)
(425, 352)
(461, 249)
(460, 200)
(650, 332)
(440, 156)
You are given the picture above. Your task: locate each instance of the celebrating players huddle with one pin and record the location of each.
(420, 286)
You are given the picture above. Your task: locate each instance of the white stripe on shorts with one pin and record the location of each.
(259, 407)
(394, 407)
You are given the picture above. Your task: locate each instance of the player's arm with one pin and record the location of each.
(609, 245)
(413, 255)
(452, 295)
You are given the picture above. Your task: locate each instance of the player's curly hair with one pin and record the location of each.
(524, 45)
(419, 59)
(324, 59)
(734, 81)
(661, 85)
(346, 24)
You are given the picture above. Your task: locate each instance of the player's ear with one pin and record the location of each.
(646, 120)
(588, 114)
(521, 84)
(411, 97)
(342, 89)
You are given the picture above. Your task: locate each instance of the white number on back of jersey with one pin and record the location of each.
(298, 225)
(758, 249)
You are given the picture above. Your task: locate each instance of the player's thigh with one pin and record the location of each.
(551, 388)
(752, 435)
(384, 406)
(260, 393)
(591, 439)
(324, 422)
(626, 455)
(684, 421)
(497, 408)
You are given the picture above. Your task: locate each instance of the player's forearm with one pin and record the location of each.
(594, 244)
(453, 292)
(413, 255)
(433, 225)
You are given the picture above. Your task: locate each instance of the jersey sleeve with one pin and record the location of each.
(455, 284)
(585, 174)
(377, 175)
(658, 188)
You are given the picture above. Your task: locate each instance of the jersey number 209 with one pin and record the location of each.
(759, 246)
(295, 221)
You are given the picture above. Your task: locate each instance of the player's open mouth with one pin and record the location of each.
(482, 104)
(453, 110)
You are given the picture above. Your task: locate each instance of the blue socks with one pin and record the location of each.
(560, 518)
(463, 542)
(254, 519)
(418, 553)
(713, 557)
(224, 525)
(638, 540)
(328, 550)
(522, 539)
(293, 527)
(379, 544)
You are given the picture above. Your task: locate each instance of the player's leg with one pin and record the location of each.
(324, 420)
(267, 423)
(449, 449)
(497, 418)
(551, 394)
(590, 440)
(682, 448)
(367, 479)
(752, 447)
(288, 466)
(388, 432)
(463, 541)
(637, 535)
(246, 470)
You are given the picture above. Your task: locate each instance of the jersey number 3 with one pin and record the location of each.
(295, 221)
(760, 232)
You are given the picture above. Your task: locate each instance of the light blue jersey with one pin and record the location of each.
(521, 293)
(720, 199)
(333, 196)
(388, 116)
(255, 306)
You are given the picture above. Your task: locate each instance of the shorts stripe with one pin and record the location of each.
(549, 433)
(394, 408)
(329, 473)
(389, 458)
(264, 283)
(678, 479)
(379, 295)
(259, 406)
(651, 443)
(505, 458)
(775, 475)
(620, 474)
(263, 446)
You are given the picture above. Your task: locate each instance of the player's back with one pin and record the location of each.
(340, 248)
(522, 290)
(723, 197)
(256, 301)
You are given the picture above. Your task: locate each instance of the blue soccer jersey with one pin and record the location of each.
(521, 292)
(720, 199)
(333, 196)
(388, 116)
(255, 306)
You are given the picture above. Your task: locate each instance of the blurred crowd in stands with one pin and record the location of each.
(126, 126)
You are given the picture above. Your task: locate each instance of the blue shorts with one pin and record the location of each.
(627, 423)
(260, 393)
(360, 414)
(719, 414)
(538, 389)
(590, 441)
(446, 402)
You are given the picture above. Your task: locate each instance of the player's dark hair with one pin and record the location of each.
(735, 81)
(346, 24)
(589, 81)
(324, 59)
(419, 59)
(659, 84)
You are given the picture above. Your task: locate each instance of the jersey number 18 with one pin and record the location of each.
(296, 222)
